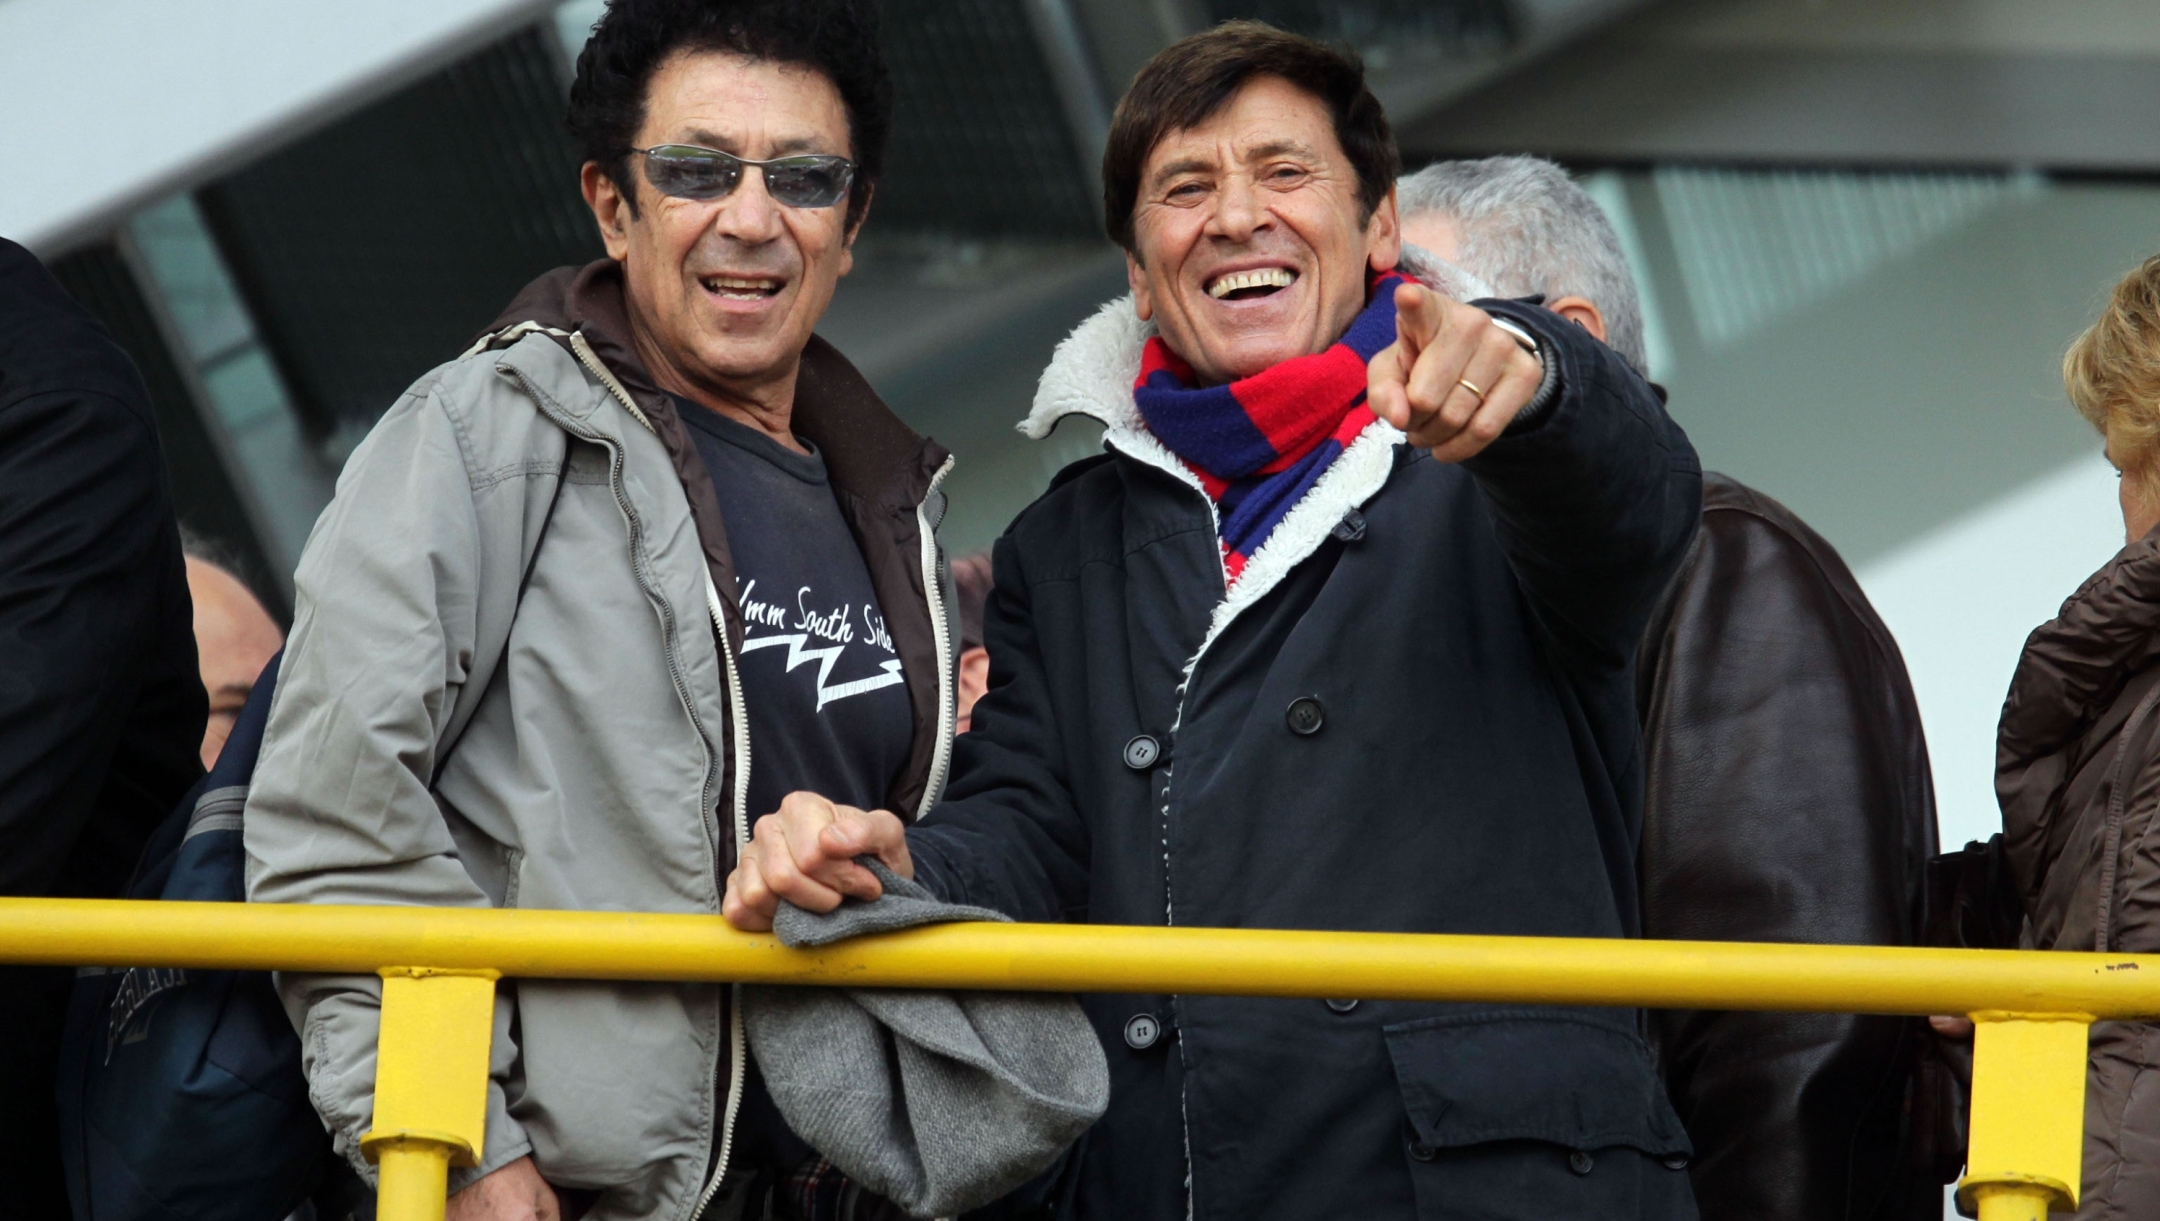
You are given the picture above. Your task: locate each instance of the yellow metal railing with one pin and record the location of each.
(439, 965)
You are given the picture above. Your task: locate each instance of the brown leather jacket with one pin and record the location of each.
(2077, 768)
(1789, 799)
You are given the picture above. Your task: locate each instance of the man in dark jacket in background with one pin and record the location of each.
(1274, 662)
(101, 711)
(1788, 794)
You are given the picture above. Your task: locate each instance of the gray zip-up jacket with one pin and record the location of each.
(599, 761)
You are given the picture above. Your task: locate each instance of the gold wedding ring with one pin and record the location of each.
(1465, 384)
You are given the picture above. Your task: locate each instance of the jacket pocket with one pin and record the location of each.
(1537, 1114)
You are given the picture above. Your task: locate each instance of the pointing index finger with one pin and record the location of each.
(1384, 379)
(1418, 317)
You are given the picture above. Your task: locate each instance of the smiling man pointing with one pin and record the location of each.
(1337, 635)
(646, 533)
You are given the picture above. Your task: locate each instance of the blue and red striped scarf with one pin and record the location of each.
(1260, 443)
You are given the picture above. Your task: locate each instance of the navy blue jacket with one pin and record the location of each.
(1425, 723)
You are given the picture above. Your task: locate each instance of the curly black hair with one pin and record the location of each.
(837, 38)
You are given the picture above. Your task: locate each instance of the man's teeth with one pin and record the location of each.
(1264, 277)
(736, 287)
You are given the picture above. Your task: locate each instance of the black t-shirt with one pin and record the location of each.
(828, 704)
(827, 700)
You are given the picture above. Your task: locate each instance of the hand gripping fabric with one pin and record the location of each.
(938, 1101)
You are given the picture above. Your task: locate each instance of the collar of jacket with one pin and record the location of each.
(881, 471)
(1092, 375)
(2075, 665)
(869, 452)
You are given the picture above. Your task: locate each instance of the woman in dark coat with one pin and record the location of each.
(2078, 758)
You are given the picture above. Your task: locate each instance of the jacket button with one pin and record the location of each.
(1141, 1031)
(1676, 1161)
(1581, 1162)
(1342, 1006)
(1422, 1151)
(1142, 752)
(1305, 716)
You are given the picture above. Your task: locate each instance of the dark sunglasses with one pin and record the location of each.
(685, 171)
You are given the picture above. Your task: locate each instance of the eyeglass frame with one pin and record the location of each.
(848, 170)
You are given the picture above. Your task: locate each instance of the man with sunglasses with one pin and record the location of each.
(600, 592)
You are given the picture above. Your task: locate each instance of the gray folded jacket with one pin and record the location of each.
(938, 1101)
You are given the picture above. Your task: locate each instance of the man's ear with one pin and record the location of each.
(854, 230)
(1136, 276)
(1383, 235)
(609, 208)
(1582, 312)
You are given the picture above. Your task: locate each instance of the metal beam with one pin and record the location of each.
(2030, 1008)
(1419, 83)
(1089, 958)
(1073, 74)
(1890, 108)
(1886, 82)
(1125, 34)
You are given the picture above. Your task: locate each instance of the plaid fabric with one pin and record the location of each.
(817, 1191)
(1260, 443)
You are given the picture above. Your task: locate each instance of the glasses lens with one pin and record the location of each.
(689, 173)
(808, 182)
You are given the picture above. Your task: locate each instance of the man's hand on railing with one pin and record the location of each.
(511, 1192)
(806, 854)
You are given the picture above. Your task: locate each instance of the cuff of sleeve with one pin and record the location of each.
(1540, 404)
(1509, 317)
(927, 873)
(504, 1140)
(504, 1143)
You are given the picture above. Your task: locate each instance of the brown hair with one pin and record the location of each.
(2113, 375)
(1191, 79)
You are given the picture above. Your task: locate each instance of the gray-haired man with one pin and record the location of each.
(1788, 794)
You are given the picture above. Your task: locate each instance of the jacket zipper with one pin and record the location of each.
(739, 723)
(739, 732)
(941, 637)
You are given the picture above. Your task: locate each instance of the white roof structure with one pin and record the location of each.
(110, 104)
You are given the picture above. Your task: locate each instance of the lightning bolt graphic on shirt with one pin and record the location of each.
(826, 657)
